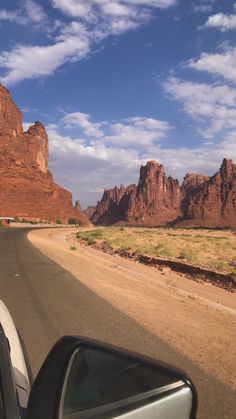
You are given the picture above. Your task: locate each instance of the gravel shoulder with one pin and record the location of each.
(198, 320)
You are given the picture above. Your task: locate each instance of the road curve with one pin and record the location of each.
(47, 302)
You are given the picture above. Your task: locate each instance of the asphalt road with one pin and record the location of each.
(47, 302)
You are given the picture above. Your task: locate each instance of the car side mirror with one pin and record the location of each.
(82, 378)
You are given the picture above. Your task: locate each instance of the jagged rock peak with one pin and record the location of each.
(4, 89)
(78, 206)
(36, 141)
(228, 168)
(194, 180)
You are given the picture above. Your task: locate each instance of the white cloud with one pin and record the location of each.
(29, 12)
(202, 8)
(25, 62)
(34, 11)
(223, 65)
(79, 8)
(93, 21)
(117, 9)
(212, 106)
(137, 131)
(221, 21)
(10, 16)
(72, 8)
(82, 120)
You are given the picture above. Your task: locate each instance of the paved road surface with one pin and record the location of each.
(47, 302)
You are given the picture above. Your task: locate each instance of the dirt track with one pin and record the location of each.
(198, 320)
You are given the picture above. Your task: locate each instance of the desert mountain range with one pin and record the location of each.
(27, 188)
(159, 200)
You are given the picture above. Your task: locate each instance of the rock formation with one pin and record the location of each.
(160, 200)
(89, 211)
(27, 189)
(214, 203)
(78, 206)
(113, 206)
(156, 200)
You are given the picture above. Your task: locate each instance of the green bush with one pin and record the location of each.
(164, 250)
(96, 234)
(58, 221)
(74, 221)
(189, 255)
(72, 247)
(91, 242)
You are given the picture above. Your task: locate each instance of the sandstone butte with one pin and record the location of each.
(200, 201)
(27, 189)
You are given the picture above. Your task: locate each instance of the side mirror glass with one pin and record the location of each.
(99, 381)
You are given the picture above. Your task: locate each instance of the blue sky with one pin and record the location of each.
(120, 82)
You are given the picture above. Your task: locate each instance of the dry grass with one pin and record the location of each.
(213, 249)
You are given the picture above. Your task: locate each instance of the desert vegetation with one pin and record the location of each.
(213, 249)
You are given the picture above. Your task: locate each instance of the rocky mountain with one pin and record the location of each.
(214, 202)
(27, 189)
(160, 200)
(156, 200)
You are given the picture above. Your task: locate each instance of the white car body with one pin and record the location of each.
(17, 356)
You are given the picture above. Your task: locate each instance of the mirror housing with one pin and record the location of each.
(152, 383)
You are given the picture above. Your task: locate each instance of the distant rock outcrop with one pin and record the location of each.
(89, 211)
(213, 204)
(156, 200)
(78, 206)
(160, 200)
(27, 189)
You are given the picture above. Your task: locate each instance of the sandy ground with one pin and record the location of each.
(198, 320)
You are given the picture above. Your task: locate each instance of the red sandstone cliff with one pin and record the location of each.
(27, 189)
(158, 200)
(214, 203)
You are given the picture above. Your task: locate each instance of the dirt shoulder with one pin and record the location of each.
(199, 320)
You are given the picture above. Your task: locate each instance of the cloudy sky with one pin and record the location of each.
(120, 82)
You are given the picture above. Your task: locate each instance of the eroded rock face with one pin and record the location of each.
(113, 205)
(27, 189)
(11, 129)
(36, 143)
(78, 206)
(192, 184)
(158, 200)
(89, 211)
(214, 204)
